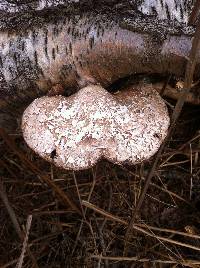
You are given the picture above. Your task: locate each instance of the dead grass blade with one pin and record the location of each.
(187, 263)
(10, 210)
(25, 243)
(14, 220)
(165, 239)
(85, 211)
(136, 227)
(168, 231)
(103, 212)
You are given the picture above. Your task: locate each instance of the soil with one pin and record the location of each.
(61, 237)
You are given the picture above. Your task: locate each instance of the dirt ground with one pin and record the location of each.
(38, 227)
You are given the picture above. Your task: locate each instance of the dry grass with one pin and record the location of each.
(89, 231)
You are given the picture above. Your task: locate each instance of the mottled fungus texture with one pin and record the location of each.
(76, 132)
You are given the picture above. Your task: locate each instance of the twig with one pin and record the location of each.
(28, 226)
(3, 164)
(191, 172)
(100, 229)
(103, 212)
(85, 210)
(162, 189)
(188, 263)
(137, 228)
(10, 210)
(165, 239)
(174, 93)
(168, 231)
(165, 85)
(14, 220)
(79, 196)
(82, 210)
(10, 263)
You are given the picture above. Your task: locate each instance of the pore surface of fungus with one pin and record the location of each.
(76, 132)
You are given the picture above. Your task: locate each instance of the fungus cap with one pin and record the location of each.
(77, 131)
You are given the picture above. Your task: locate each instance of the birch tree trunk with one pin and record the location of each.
(163, 16)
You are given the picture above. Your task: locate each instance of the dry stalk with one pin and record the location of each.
(25, 243)
(187, 263)
(136, 227)
(14, 220)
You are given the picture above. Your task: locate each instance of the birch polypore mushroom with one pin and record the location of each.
(77, 131)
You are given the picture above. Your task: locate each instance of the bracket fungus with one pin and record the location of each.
(77, 131)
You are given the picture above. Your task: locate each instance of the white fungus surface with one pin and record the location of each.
(76, 132)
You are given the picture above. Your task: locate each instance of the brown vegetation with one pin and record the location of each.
(109, 216)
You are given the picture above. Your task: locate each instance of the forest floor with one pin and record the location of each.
(38, 227)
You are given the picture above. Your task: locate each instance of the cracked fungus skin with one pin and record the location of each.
(76, 132)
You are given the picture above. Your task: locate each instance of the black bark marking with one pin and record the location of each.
(55, 31)
(153, 9)
(23, 45)
(10, 44)
(87, 30)
(76, 35)
(34, 35)
(167, 12)
(15, 57)
(46, 44)
(1, 62)
(98, 32)
(69, 30)
(36, 58)
(91, 42)
(10, 70)
(80, 64)
(70, 48)
(72, 31)
(53, 53)
(57, 49)
(181, 11)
